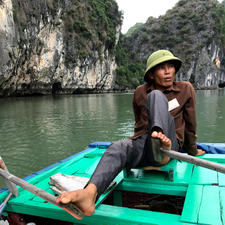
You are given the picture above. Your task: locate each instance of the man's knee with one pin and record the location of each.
(156, 94)
(118, 148)
(156, 100)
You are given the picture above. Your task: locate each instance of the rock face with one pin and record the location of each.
(45, 50)
(203, 72)
(70, 46)
(193, 30)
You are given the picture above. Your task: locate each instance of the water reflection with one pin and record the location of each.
(210, 115)
(39, 131)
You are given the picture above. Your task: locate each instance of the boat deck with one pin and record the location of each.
(203, 191)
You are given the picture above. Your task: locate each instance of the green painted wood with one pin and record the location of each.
(214, 157)
(123, 216)
(183, 172)
(41, 209)
(222, 203)
(140, 181)
(113, 215)
(117, 198)
(110, 189)
(192, 204)
(221, 179)
(96, 152)
(204, 176)
(169, 189)
(103, 215)
(87, 165)
(221, 176)
(210, 206)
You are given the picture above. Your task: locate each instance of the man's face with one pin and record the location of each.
(163, 75)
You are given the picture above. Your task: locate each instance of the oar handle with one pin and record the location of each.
(194, 160)
(70, 208)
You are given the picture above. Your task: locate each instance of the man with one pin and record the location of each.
(164, 110)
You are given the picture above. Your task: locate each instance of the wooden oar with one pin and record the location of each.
(194, 160)
(70, 208)
(12, 187)
(158, 151)
(3, 205)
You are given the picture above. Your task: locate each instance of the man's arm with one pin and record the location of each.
(189, 114)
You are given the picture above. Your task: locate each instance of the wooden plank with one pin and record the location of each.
(204, 176)
(40, 209)
(70, 208)
(192, 204)
(214, 157)
(87, 166)
(168, 189)
(123, 216)
(104, 214)
(221, 179)
(221, 176)
(210, 207)
(183, 172)
(109, 190)
(222, 203)
(96, 152)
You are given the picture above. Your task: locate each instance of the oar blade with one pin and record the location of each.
(70, 207)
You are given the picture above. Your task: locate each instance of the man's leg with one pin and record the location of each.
(126, 154)
(119, 156)
(160, 117)
(161, 121)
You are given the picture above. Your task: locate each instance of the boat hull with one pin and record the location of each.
(187, 194)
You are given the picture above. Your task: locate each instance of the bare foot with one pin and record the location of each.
(166, 144)
(84, 199)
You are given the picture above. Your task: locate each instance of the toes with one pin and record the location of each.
(64, 198)
(154, 134)
(165, 141)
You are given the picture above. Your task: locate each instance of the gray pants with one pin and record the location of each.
(136, 153)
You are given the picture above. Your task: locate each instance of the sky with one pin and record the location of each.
(135, 11)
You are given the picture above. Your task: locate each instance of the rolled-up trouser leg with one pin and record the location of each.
(159, 117)
(119, 155)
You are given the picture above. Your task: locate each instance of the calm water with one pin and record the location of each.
(39, 131)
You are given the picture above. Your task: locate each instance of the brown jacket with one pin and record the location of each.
(184, 115)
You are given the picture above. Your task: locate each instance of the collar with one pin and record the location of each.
(175, 87)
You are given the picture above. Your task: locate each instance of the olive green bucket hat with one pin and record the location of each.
(158, 57)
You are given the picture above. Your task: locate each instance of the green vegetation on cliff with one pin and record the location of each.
(90, 25)
(186, 29)
(130, 70)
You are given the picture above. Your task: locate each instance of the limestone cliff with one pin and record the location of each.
(75, 46)
(194, 30)
(57, 46)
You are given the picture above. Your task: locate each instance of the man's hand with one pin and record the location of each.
(200, 152)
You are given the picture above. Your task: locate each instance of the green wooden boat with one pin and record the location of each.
(181, 193)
